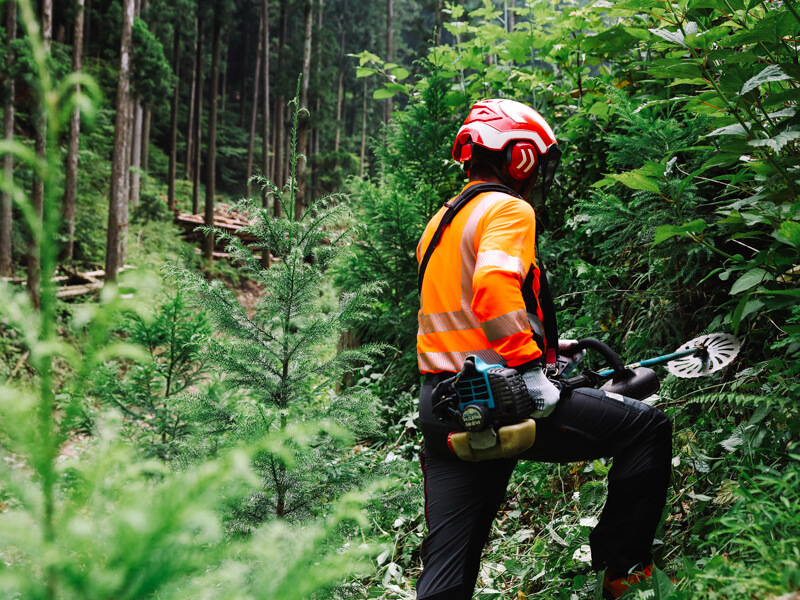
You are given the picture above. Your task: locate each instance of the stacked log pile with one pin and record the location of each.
(73, 283)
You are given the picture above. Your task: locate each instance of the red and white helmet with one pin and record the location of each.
(505, 125)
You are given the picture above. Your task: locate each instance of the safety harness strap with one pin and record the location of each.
(453, 207)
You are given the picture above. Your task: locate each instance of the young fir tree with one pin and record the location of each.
(278, 362)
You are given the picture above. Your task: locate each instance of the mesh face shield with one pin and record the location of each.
(548, 165)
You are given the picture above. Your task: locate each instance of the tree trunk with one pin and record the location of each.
(198, 110)
(265, 161)
(387, 104)
(192, 101)
(511, 15)
(439, 22)
(136, 140)
(71, 174)
(340, 89)
(136, 153)
(8, 159)
(173, 146)
(302, 133)
(278, 172)
(254, 111)
(148, 114)
(363, 131)
(224, 93)
(40, 145)
(245, 66)
(118, 205)
(208, 248)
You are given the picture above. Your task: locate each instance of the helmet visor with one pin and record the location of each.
(547, 173)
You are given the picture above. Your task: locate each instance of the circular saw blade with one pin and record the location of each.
(714, 351)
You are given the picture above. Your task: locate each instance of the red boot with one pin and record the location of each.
(614, 588)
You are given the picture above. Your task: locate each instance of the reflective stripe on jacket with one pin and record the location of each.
(471, 300)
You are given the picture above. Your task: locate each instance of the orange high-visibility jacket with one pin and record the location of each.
(471, 300)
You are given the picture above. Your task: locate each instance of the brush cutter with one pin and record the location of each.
(491, 404)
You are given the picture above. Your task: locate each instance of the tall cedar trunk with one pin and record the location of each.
(387, 104)
(136, 153)
(245, 66)
(189, 165)
(363, 131)
(302, 133)
(173, 121)
(316, 133)
(511, 5)
(224, 75)
(266, 257)
(87, 27)
(340, 89)
(71, 174)
(278, 172)
(439, 21)
(211, 160)
(40, 145)
(148, 116)
(136, 137)
(254, 111)
(198, 110)
(118, 205)
(267, 122)
(8, 159)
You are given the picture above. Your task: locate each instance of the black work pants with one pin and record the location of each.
(462, 498)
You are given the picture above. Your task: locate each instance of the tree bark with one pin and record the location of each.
(8, 159)
(302, 133)
(211, 160)
(245, 66)
(71, 174)
(190, 126)
(136, 145)
(387, 104)
(118, 205)
(340, 89)
(278, 172)
(146, 126)
(254, 111)
(40, 144)
(511, 15)
(265, 161)
(136, 153)
(224, 75)
(363, 131)
(173, 146)
(198, 110)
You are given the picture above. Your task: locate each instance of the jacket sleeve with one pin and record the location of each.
(505, 241)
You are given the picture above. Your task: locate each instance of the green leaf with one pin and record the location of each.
(383, 94)
(749, 280)
(771, 73)
(667, 231)
(662, 585)
(364, 72)
(676, 37)
(778, 142)
(599, 468)
(790, 232)
(400, 73)
(637, 180)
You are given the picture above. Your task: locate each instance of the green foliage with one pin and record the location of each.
(151, 77)
(274, 357)
(83, 517)
(148, 393)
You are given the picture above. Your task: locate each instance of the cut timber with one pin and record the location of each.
(73, 282)
(224, 219)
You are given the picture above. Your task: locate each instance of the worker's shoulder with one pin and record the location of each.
(508, 206)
